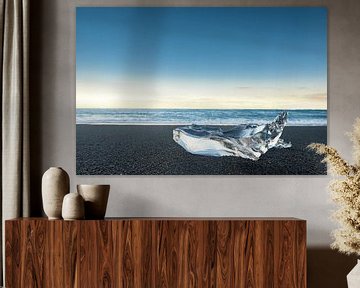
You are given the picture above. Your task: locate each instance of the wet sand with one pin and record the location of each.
(150, 150)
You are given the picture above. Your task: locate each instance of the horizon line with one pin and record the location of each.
(187, 124)
(289, 109)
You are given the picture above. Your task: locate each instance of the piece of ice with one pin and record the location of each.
(246, 141)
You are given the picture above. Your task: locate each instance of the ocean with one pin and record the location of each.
(196, 116)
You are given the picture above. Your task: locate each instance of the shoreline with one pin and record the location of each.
(171, 124)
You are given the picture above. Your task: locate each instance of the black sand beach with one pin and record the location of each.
(150, 150)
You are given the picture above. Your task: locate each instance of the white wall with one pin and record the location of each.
(53, 128)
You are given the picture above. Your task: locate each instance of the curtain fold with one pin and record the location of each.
(14, 111)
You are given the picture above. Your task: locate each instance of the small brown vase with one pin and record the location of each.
(96, 198)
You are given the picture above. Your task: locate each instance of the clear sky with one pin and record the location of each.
(225, 58)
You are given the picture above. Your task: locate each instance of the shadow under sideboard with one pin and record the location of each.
(328, 268)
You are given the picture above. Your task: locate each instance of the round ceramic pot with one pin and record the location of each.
(353, 278)
(73, 207)
(96, 198)
(55, 185)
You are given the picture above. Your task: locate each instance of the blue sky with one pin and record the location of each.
(201, 57)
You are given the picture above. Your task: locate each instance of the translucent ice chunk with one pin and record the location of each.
(246, 141)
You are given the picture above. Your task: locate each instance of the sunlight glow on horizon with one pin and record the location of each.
(162, 94)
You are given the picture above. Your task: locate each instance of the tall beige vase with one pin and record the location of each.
(55, 185)
(96, 198)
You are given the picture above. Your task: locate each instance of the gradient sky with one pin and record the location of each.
(225, 58)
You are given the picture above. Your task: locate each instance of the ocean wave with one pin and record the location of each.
(195, 116)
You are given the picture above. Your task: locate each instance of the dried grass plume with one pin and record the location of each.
(345, 192)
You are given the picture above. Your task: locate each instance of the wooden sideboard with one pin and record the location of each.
(156, 252)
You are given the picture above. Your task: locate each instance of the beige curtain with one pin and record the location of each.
(14, 38)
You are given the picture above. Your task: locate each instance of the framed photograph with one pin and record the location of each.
(200, 90)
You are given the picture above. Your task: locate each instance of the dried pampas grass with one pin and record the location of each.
(345, 191)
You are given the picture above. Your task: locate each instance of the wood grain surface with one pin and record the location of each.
(159, 252)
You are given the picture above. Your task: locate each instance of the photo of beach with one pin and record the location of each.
(200, 90)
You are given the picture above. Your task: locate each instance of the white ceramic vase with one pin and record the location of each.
(55, 185)
(353, 278)
(73, 207)
(96, 198)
